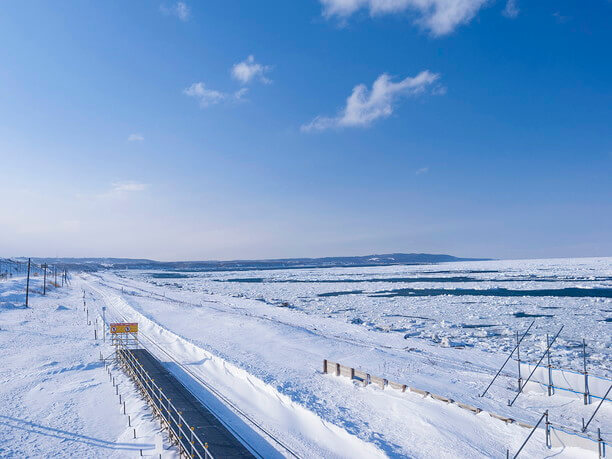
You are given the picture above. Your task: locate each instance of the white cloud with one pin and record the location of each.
(511, 10)
(422, 170)
(179, 9)
(205, 96)
(120, 189)
(440, 17)
(129, 187)
(209, 97)
(239, 95)
(135, 138)
(248, 69)
(364, 106)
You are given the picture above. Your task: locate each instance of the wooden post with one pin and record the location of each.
(324, 365)
(44, 266)
(337, 369)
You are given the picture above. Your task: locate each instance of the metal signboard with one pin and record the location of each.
(116, 328)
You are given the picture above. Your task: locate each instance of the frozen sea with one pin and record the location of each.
(466, 304)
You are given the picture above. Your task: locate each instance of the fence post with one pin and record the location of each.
(547, 428)
(551, 390)
(324, 365)
(586, 375)
(550, 387)
(518, 357)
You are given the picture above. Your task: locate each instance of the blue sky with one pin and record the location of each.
(241, 129)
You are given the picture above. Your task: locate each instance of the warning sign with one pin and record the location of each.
(124, 328)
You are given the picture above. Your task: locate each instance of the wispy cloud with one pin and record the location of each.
(179, 9)
(511, 10)
(439, 17)
(249, 69)
(365, 106)
(205, 96)
(561, 19)
(208, 97)
(135, 138)
(128, 187)
(422, 170)
(121, 188)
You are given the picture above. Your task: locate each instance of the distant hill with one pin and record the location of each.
(95, 264)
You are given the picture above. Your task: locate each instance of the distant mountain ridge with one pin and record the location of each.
(95, 264)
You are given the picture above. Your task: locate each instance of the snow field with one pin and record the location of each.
(284, 347)
(306, 433)
(56, 398)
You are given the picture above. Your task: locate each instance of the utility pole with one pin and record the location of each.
(28, 283)
(44, 266)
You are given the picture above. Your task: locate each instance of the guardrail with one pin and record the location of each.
(178, 427)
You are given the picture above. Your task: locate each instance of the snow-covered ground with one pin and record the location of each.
(259, 337)
(279, 325)
(56, 397)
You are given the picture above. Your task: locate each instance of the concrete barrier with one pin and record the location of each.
(380, 382)
(397, 386)
(424, 393)
(441, 398)
(501, 418)
(471, 408)
(362, 377)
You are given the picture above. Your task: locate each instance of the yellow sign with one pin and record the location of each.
(123, 328)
